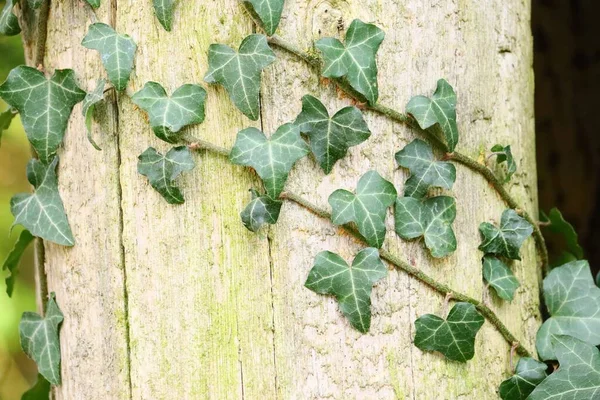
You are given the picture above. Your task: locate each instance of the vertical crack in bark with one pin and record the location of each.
(273, 313)
(410, 332)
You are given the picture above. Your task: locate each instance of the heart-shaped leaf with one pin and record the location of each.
(439, 109)
(239, 72)
(168, 115)
(431, 218)
(39, 391)
(164, 12)
(9, 23)
(500, 277)
(161, 170)
(529, 374)
(507, 240)
(11, 264)
(35, 4)
(351, 286)
(454, 336)
(272, 158)
(261, 210)
(94, 3)
(504, 154)
(269, 12)
(558, 225)
(367, 208)
(39, 340)
(330, 137)
(6, 118)
(573, 302)
(356, 60)
(42, 212)
(88, 106)
(45, 105)
(117, 52)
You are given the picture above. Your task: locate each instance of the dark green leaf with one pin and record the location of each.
(9, 23)
(507, 240)
(269, 12)
(39, 391)
(598, 279)
(35, 4)
(164, 12)
(261, 210)
(6, 118)
(11, 264)
(89, 104)
(560, 226)
(161, 170)
(351, 286)
(529, 374)
(503, 153)
(94, 3)
(500, 277)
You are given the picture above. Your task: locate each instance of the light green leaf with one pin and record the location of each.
(504, 154)
(560, 226)
(261, 210)
(500, 277)
(425, 171)
(431, 218)
(269, 12)
(6, 118)
(272, 158)
(439, 109)
(351, 286)
(161, 170)
(330, 137)
(88, 106)
(42, 212)
(356, 60)
(94, 3)
(117, 52)
(573, 302)
(164, 13)
(367, 208)
(529, 374)
(39, 391)
(9, 23)
(239, 72)
(454, 336)
(39, 340)
(507, 240)
(578, 377)
(11, 264)
(45, 105)
(168, 115)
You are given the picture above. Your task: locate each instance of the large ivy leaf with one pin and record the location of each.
(89, 104)
(164, 12)
(269, 12)
(330, 137)
(44, 104)
(168, 115)
(272, 158)
(500, 277)
(560, 226)
(504, 154)
(11, 264)
(529, 374)
(116, 51)
(578, 376)
(239, 72)
(507, 240)
(9, 23)
(573, 302)
(6, 118)
(161, 170)
(367, 208)
(39, 391)
(425, 171)
(439, 109)
(39, 340)
(94, 3)
(431, 218)
(356, 60)
(454, 336)
(42, 212)
(351, 286)
(261, 210)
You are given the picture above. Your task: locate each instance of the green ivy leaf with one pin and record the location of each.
(330, 137)
(351, 286)
(168, 115)
(454, 336)
(117, 52)
(94, 3)
(367, 208)
(11, 264)
(35, 4)
(269, 12)
(529, 374)
(42, 213)
(239, 72)
(89, 104)
(425, 171)
(560, 226)
(9, 23)
(45, 105)
(272, 158)
(573, 302)
(356, 60)
(6, 118)
(261, 210)
(39, 391)
(39, 340)
(504, 154)
(161, 170)
(164, 13)
(500, 277)
(598, 279)
(439, 109)
(507, 240)
(431, 218)
(578, 376)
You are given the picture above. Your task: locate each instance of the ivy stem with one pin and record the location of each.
(42, 33)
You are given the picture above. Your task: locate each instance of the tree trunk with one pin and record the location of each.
(182, 302)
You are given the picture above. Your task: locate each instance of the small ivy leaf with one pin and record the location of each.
(161, 170)
(117, 52)
(573, 302)
(88, 106)
(239, 72)
(500, 277)
(6, 118)
(503, 153)
(351, 286)
(168, 115)
(431, 218)
(39, 340)
(164, 13)
(529, 374)
(261, 210)
(330, 137)
(559, 226)
(45, 105)
(507, 240)
(94, 3)
(9, 22)
(425, 171)
(578, 376)
(272, 158)
(42, 213)
(439, 109)
(356, 60)
(39, 391)
(367, 208)
(269, 12)
(454, 336)
(11, 264)
(35, 4)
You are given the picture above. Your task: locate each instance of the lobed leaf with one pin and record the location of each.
(161, 170)
(6, 118)
(500, 277)
(9, 22)
(94, 3)
(39, 391)
(269, 12)
(11, 263)
(529, 374)
(261, 210)
(89, 104)
(164, 12)
(504, 154)
(507, 240)
(560, 226)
